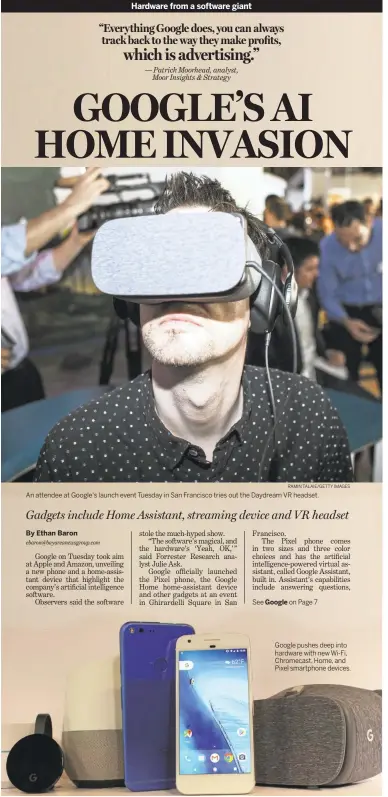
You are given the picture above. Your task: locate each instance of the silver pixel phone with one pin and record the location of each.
(214, 736)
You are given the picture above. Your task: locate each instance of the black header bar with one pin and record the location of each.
(193, 6)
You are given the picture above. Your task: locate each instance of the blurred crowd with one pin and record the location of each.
(315, 222)
(337, 255)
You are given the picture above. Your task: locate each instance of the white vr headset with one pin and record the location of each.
(191, 256)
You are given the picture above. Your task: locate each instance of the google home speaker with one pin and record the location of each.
(92, 726)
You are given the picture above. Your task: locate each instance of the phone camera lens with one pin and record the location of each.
(189, 640)
(141, 630)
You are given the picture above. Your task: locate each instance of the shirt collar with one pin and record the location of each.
(173, 449)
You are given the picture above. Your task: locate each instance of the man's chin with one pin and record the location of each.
(179, 355)
(182, 360)
(179, 350)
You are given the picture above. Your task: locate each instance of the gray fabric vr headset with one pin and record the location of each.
(192, 256)
(318, 735)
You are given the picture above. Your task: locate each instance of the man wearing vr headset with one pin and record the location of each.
(200, 415)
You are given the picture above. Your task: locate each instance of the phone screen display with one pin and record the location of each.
(214, 712)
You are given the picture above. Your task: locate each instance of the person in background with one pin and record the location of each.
(21, 381)
(350, 285)
(370, 210)
(21, 242)
(320, 223)
(312, 351)
(298, 224)
(24, 269)
(277, 215)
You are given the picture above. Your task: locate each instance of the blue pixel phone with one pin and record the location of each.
(147, 665)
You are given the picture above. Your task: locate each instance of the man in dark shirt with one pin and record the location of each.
(200, 415)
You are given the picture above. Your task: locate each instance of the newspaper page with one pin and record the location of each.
(192, 312)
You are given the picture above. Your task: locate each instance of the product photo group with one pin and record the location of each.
(177, 710)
